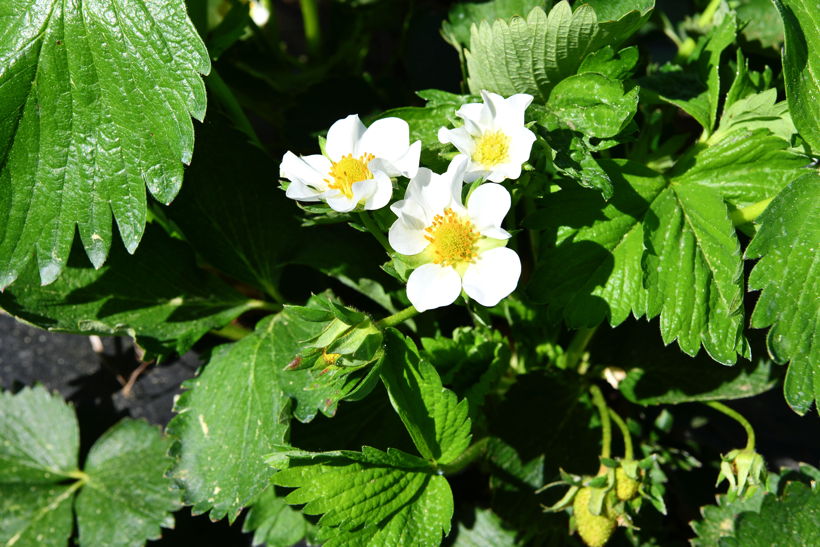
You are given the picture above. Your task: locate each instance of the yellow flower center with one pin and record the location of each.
(491, 149)
(348, 170)
(452, 239)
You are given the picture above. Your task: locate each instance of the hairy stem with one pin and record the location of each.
(606, 426)
(374, 229)
(397, 318)
(577, 347)
(738, 417)
(628, 450)
(471, 454)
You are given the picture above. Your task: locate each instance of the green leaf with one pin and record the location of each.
(95, 103)
(238, 408)
(485, 529)
(126, 497)
(620, 19)
(530, 55)
(158, 296)
(594, 270)
(678, 379)
(786, 244)
(801, 66)
(593, 104)
(462, 16)
(756, 111)
(274, 523)
(693, 272)
(436, 420)
(397, 498)
(719, 520)
(695, 87)
(231, 212)
(39, 437)
(744, 167)
(788, 520)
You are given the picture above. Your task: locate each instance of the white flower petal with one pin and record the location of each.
(405, 239)
(477, 117)
(295, 169)
(433, 286)
(382, 193)
(408, 164)
(455, 177)
(511, 110)
(301, 192)
(493, 276)
(458, 137)
(488, 205)
(504, 171)
(388, 138)
(521, 141)
(343, 136)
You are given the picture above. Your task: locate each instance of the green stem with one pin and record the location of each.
(374, 229)
(606, 426)
(708, 14)
(577, 347)
(310, 20)
(749, 213)
(628, 450)
(232, 331)
(471, 454)
(735, 415)
(397, 318)
(81, 476)
(231, 105)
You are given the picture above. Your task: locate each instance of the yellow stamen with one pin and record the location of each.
(348, 170)
(452, 239)
(491, 149)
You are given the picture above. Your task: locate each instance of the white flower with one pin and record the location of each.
(358, 165)
(459, 247)
(493, 136)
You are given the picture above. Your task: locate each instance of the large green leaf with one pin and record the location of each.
(484, 530)
(594, 271)
(801, 66)
(664, 245)
(787, 275)
(369, 498)
(124, 497)
(788, 520)
(436, 420)
(158, 296)
(760, 22)
(620, 19)
(238, 408)
(530, 55)
(231, 212)
(95, 105)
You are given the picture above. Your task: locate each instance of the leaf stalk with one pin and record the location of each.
(606, 426)
(738, 417)
(397, 318)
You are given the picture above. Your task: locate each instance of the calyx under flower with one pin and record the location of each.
(744, 470)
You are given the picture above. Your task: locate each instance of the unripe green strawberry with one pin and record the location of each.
(625, 486)
(595, 530)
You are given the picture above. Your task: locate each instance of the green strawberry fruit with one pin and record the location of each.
(595, 530)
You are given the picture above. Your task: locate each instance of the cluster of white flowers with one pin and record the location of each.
(455, 247)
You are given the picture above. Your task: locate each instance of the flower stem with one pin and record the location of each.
(264, 305)
(748, 214)
(228, 101)
(397, 318)
(606, 426)
(738, 417)
(310, 21)
(471, 454)
(577, 347)
(628, 450)
(374, 229)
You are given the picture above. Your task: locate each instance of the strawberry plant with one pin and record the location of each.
(461, 273)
